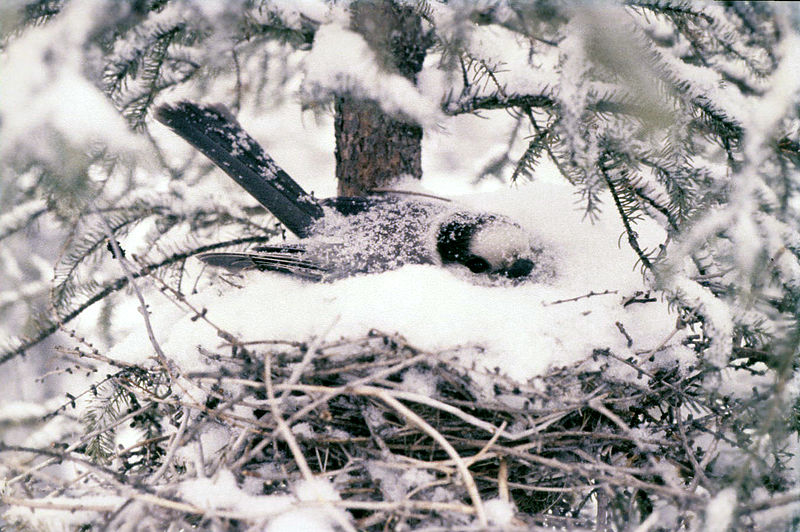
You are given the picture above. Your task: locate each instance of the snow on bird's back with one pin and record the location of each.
(516, 329)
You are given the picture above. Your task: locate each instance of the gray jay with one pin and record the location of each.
(343, 236)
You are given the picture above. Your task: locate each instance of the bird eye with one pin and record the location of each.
(477, 264)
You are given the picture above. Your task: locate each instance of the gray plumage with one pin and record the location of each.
(344, 236)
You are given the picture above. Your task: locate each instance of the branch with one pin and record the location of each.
(634, 243)
(115, 286)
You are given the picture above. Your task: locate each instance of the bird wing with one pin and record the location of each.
(274, 262)
(282, 248)
(216, 133)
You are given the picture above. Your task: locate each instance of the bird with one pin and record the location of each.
(343, 236)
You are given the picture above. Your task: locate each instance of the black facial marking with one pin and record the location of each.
(477, 264)
(454, 239)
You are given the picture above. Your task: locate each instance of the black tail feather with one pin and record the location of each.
(214, 132)
(273, 262)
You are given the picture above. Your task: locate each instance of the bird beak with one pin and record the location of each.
(520, 268)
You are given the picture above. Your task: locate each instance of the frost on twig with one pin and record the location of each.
(371, 432)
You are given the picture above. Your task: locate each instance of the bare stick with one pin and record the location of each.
(173, 446)
(407, 396)
(466, 476)
(578, 298)
(330, 394)
(162, 358)
(284, 429)
(472, 459)
(502, 480)
(298, 369)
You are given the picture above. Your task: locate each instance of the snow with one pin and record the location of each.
(719, 322)
(422, 383)
(11, 220)
(342, 61)
(293, 12)
(396, 485)
(48, 82)
(68, 513)
(520, 328)
(13, 412)
(499, 512)
(280, 513)
(719, 512)
(315, 490)
(301, 519)
(223, 493)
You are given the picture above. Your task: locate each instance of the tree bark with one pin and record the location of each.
(372, 147)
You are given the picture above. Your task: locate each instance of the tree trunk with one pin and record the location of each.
(372, 148)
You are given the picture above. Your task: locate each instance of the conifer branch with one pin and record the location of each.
(624, 214)
(112, 287)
